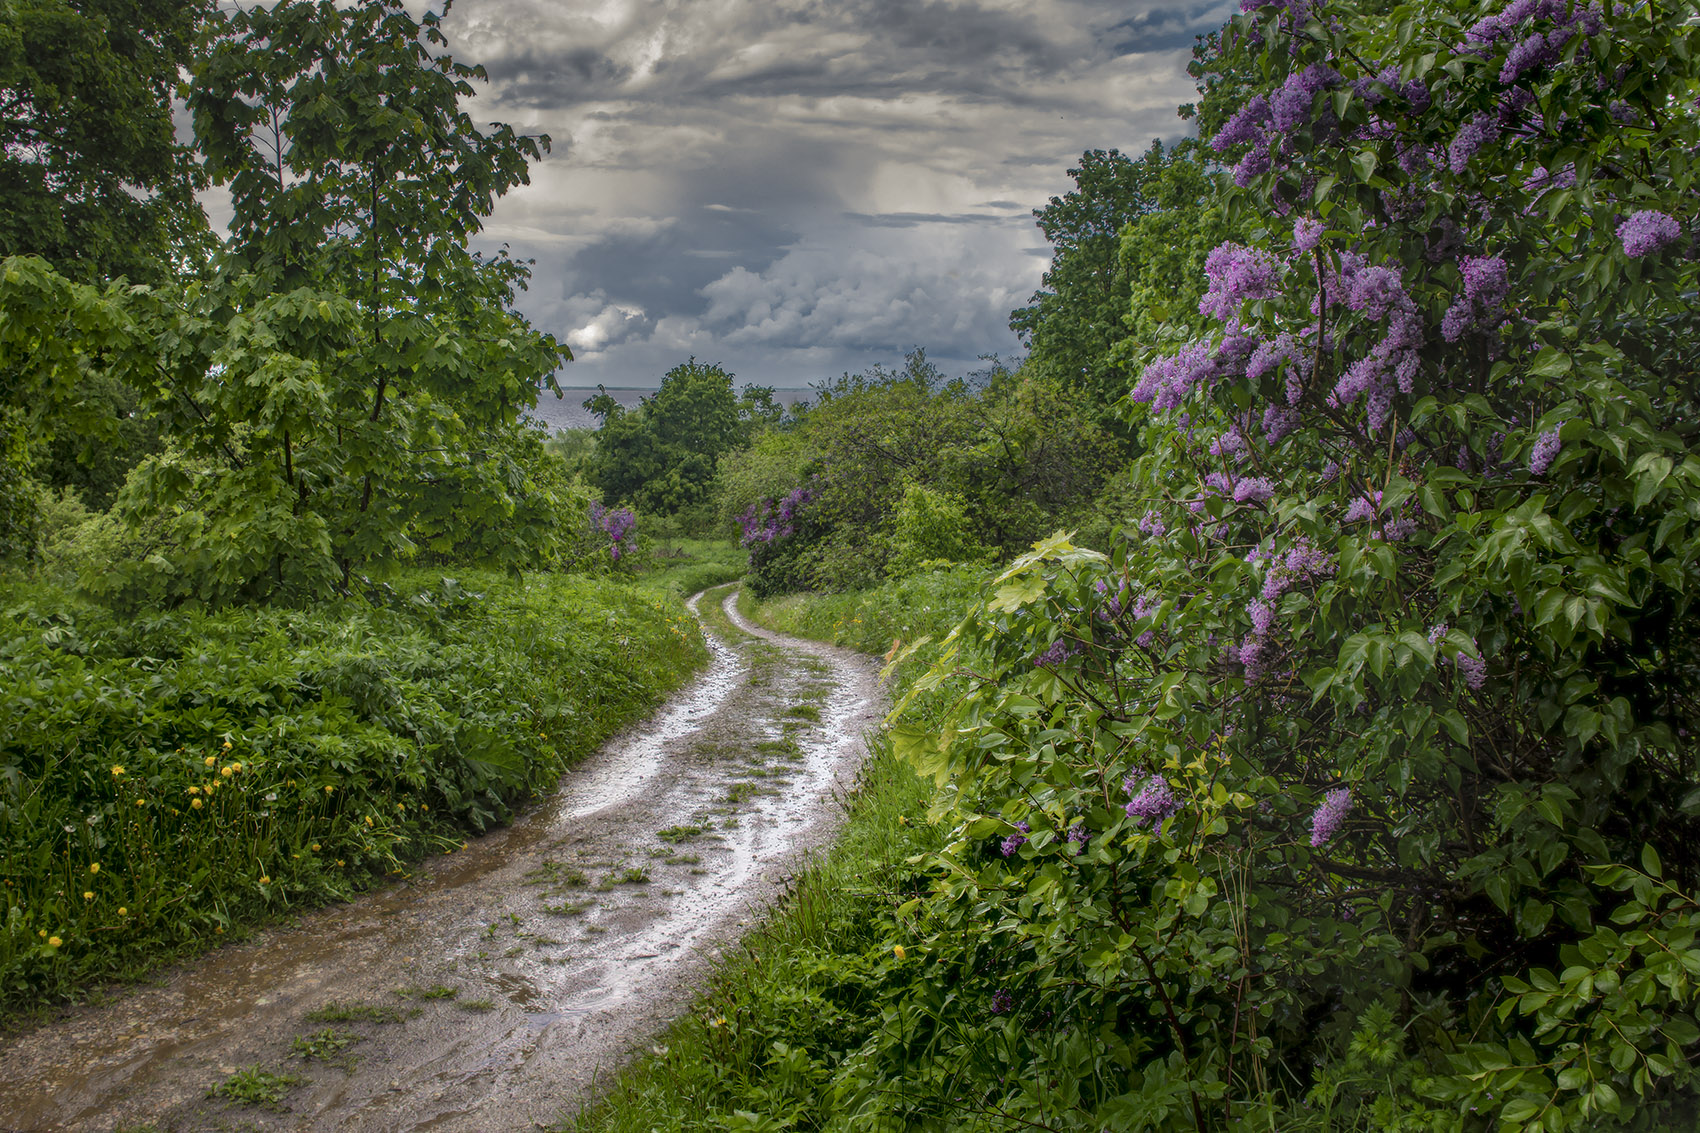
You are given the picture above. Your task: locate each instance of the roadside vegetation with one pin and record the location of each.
(1326, 760)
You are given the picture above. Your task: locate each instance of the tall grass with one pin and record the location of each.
(695, 564)
(166, 779)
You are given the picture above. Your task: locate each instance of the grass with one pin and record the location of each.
(257, 1086)
(696, 565)
(677, 834)
(356, 1013)
(435, 991)
(328, 1045)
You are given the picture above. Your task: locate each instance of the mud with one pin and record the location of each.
(498, 986)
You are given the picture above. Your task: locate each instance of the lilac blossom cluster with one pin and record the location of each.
(1487, 285)
(768, 521)
(1544, 452)
(618, 524)
(1302, 562)
(1330, 816)
(1153, 801)
(1016, 840)
(1061, 650)
(1534, 48)
(1645, 232)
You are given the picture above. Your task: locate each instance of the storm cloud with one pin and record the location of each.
(794, 188)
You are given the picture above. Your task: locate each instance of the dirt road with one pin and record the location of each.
(492, 990)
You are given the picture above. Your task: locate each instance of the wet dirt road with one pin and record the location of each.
(496, 987)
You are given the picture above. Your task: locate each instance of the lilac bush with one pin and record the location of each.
(1421, 492)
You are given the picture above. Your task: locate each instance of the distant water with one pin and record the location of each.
(569, 413)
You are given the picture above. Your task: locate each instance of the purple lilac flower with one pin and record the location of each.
(1253, 165)
(1246, 125)
(1474, 670)
(1060, 651)
(1154, 801)
(1152, 526)
(1646, 232)
(1480, 131)
(1254, 490)
(1262, 616)
(1289, 107)
(1531, 53)
(1002, 1001)
(1307, 234)
(1078, 835)
(1165, 383)
(1364, 507)
(1278, 421)
(1486, 280)
(1015, 841)
(1436, 632)
(1545, 451)
(1329, 816)
(1237, 273)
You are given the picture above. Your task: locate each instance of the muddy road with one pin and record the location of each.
(496, 987)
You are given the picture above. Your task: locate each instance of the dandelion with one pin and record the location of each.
(122, 911)
(226, 745)
(422, 806)
(227, 772)
(88, 895)
(94, 867)
(210, 760)
(315, 847)
(368, 820)
(1325, 823)
(897, 950)
(141, 802)
(54, 942)
(265, 881)
(195, 804)
(41, 932)
(327, 788)
(237, 767)
(117, 770)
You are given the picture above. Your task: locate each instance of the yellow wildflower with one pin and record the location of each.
(117, 770)
(422, 806)
(227, 772)
(265, 881)
(122, 911)
(226, 745)
(210, 760)
(88, 895)
(194, 790)
(195, 803)
(54, 942)
(41, 932)
(897, 950)
(327, 788)
(315, 847)
(368, 820)
(236, 767)
(94, 867)
(141, 802)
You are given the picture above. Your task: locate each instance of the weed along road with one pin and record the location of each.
(493, 989)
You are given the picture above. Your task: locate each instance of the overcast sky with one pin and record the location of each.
(795, 188)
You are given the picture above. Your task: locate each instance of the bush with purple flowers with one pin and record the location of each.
(1421, 497)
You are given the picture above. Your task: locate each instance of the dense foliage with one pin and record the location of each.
(1360, 772)
(889, 470)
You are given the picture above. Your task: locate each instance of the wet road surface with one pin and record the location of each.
(494, 989)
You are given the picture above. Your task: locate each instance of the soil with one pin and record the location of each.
(498, 986)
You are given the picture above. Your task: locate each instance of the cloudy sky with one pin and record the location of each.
(795, 188)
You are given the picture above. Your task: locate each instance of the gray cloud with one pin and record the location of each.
(798, 187)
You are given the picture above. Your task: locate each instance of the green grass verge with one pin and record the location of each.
(168, 779)
(696, 564)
